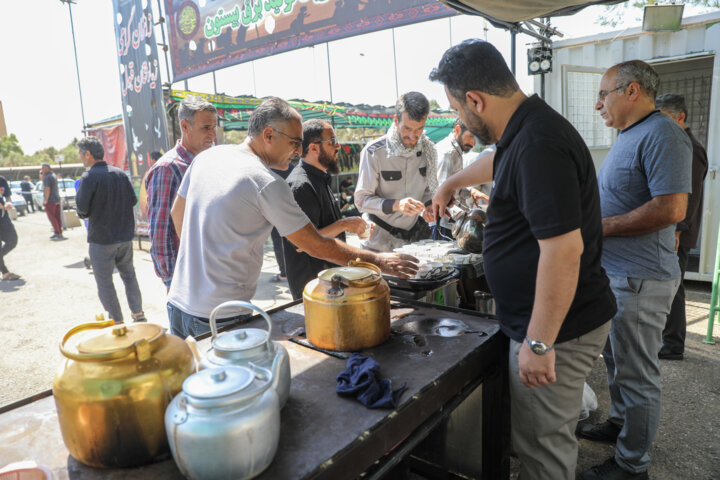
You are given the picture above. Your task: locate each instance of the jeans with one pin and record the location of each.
(29, 201)
(676, 325)
(633, 368)
(543, 419)
(183, 324)
(104, 259)
(8, 238)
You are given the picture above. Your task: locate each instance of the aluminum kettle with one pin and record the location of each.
(244, 346)
(225, 423)
(469, 230)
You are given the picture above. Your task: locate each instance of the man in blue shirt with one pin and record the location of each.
(644, 185)
(106, 198)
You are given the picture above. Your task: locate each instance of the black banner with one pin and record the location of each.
(208, 35)
(142, 100)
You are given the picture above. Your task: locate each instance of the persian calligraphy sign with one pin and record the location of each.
(206, 36)
(141, 87)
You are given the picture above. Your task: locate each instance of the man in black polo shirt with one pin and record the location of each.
(310, 185)
(542, 249)
(106, 198)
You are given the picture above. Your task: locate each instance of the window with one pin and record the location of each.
(580, 89)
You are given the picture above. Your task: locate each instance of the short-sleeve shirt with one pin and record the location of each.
(311, 188)
(544, 185)
(652, 157)
(232, 201)
(50, 181)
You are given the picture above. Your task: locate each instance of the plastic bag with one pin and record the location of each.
(589, 402)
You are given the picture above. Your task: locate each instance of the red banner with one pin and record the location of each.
(113, 140)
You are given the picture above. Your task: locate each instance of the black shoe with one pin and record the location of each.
(666, 353)
(610, 470)
(600, 432)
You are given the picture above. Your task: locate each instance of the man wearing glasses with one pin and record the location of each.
(227, 203)
(310, 185)
(644, 184)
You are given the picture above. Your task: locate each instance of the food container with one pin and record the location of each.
(225, 424)
(113, 388)
(347, 308)
(241, 347)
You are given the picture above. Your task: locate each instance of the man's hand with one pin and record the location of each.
(442, 199)
(409, 206)
(9, 206)
(478, 196)
(677, 239)
(397, 264)
(536, 370)
(354, 225)
(427, 214)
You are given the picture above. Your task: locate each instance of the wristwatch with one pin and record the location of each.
(538, 348)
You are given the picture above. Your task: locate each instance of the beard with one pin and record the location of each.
(478, 128)
(328, 161)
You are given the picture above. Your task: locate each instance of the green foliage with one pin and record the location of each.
(434, 105)
(9, 144)
(614, 14)
(12, 155)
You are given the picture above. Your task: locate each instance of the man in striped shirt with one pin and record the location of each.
(198, 121)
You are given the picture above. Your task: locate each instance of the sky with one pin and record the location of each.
(39, 84)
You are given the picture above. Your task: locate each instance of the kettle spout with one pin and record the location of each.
(192, 343)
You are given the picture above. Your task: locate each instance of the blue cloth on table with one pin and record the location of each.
(361, 379)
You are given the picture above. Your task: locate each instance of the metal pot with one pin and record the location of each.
(112, 391)
(469, 230)
(225, 423)
(248, 345)
(347, 308)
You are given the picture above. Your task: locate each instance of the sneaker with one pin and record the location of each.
(600, 432)
(139, 317)
(610, 470)
(666, 354)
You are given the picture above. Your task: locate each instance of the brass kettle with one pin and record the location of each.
(347, 308)
(112, 390)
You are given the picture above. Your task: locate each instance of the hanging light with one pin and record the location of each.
(539, 60)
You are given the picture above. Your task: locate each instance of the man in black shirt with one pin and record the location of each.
(310, 185)
(542, 250)
(27, 187)
(106, 198)
(8, 235)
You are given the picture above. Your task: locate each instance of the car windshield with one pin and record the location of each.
(67, 182)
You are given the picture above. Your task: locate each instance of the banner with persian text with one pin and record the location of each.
(206, 36)
(141, 87)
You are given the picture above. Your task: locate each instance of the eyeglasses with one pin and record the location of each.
(602, 93)
(333, 141)
(296, 142)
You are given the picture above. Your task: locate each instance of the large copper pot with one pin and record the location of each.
(347, 308)
(113, 388)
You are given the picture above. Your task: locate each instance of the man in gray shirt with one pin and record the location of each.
(228, 202)
(644, 185)
(51, 201)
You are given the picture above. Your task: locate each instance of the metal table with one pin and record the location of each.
(324, 436)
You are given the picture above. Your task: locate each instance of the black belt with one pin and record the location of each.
(394, 231)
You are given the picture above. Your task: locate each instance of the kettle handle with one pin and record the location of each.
(243, 304)
(85, 357)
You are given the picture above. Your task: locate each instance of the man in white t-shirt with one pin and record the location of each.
(227, 204)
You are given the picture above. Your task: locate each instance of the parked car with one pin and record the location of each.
(66, 186)
(19, 203)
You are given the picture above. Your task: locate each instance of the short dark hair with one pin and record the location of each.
(672, 102)
(270, 112)
(414, 103)
(459, 123)
(640, 72)
(312, 132)
(474, 65)
(93, 145)
(156, 155)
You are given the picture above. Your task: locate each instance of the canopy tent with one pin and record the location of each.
(509, 13)
(235, 112)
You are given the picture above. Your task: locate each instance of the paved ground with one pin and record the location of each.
(57, 292)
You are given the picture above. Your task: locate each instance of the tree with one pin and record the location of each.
(10, 144)
(434, 105)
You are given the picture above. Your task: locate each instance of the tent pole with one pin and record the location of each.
(164, 40)
(397, 91)
(77, 68)
(214, 82)
(513, 34)
(327, 51)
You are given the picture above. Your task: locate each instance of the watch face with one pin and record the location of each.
(538, 348)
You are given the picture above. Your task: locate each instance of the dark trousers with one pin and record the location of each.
(279, 254)
(29, 201)
(8, 238)
(53, 213)
(674, 332)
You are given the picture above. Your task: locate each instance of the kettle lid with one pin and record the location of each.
(218, 382)
(118, 337)
(240, 340)
(350, 274)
